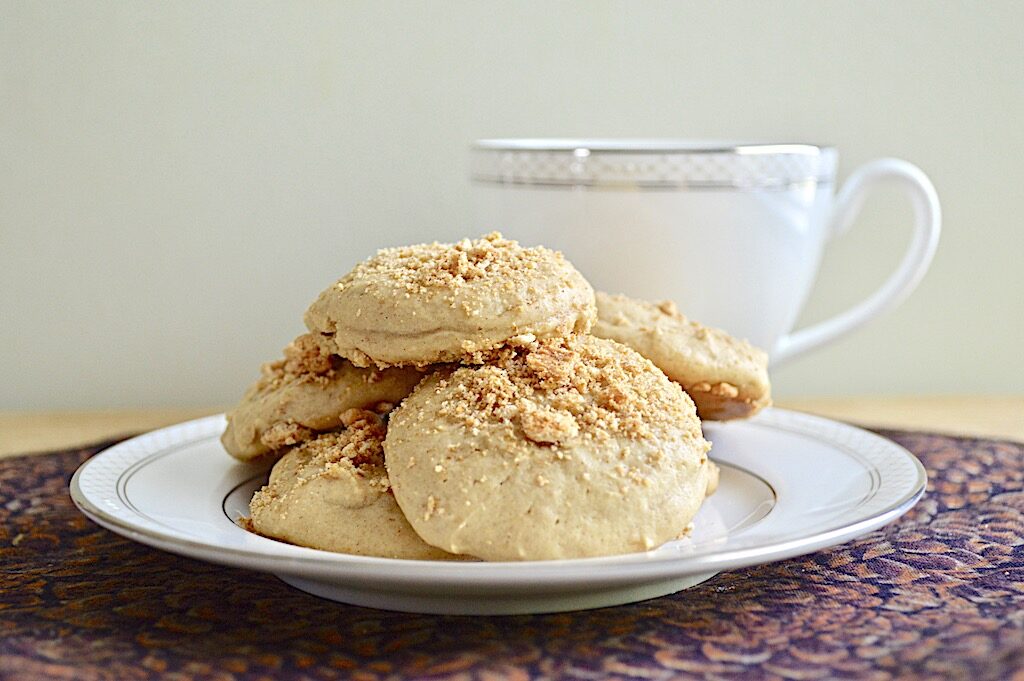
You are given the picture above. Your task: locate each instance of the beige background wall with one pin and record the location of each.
(178, 180)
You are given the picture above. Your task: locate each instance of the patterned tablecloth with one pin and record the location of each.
(939, 593)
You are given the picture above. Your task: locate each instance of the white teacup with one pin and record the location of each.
(733, 233)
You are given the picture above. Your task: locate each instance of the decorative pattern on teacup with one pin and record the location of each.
(776, 169)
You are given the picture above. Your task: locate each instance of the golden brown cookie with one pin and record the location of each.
(569, 448)
(305, 393)
(431, 303)
(726, 377)
(332, 493)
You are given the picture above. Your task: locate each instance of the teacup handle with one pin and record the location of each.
(927, 225)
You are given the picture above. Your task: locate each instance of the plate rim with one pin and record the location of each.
(605, 570)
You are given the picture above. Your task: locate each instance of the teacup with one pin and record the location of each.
(733, 233)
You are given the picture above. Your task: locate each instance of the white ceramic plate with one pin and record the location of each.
(791, 484)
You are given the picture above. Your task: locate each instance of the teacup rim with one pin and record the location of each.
(583, 146)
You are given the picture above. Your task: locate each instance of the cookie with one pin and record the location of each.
(726, 377)
(567, 448)
(431, 303)
(305, 393)
(332, 493)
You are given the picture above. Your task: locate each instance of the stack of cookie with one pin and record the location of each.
(478, 400)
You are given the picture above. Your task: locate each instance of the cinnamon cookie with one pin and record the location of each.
(726, 377)
(433, 303)
(305, 393)
(567, 448)
(332, 493)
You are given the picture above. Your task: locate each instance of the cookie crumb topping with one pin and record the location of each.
(355, 451)
(285, 434)
(305, 355)
(558, 390)
(450, 266)
(305, 358)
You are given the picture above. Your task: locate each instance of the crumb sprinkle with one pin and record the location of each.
(357, 450)
(436, 266)
(558, 390)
